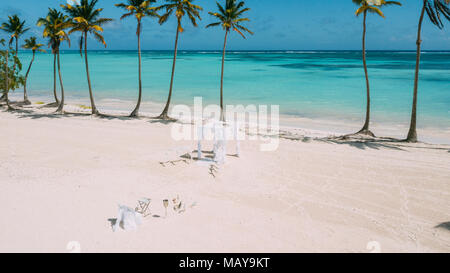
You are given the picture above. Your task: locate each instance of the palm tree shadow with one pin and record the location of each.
(20, 111)
(75, 114)
(49, 105)
(38, 116)
(117, 117)
(365, 144)
(33, 115)
(20, 103)
(445, 225)
(163, 121)
(352, 141)
(382, 142)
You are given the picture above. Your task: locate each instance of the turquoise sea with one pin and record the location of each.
(310, 84)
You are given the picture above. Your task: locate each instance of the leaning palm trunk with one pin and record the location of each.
(365, 130)
(61, 104)
(91, 96)
(222, 114)
(7, 81)
(164, 114)
(412, 134)
(54, 80)
(135, 113)
(16, 54)
(25, 95)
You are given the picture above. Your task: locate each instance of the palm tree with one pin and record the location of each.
(140, 9)
(434, 10)
(54, 29)
(180, 8)
(230, 18)
(34, 46)
(16, 28)
(85, 19)
(369, 6)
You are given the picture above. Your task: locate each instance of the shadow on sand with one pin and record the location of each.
(112, 222)
(365, 142)
(163, 121)
(356, 141)
(54, 115)
(445, 225)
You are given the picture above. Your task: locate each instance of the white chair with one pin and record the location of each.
(220, 138)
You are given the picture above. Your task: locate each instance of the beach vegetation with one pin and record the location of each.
(10, 78)
(15, 28)
(85, 107)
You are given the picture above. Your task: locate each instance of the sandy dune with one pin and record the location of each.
(61, 179)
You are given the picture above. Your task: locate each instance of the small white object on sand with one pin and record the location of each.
(219, 143)
(127, 218)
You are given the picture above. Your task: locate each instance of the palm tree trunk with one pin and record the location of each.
(54, 79)
(412, 134)
(135, 113)
(7, 80)
(222, 114)
(61, 105)
(25, 95)
(16, 54)
(94, 109)
(365, 130)
(164, 114)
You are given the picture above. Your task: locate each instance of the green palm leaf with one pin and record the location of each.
(85, 18)
(230, 17)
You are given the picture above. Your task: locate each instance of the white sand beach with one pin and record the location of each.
(62, 178)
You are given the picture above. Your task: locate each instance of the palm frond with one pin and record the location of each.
(230, 17)
(55, 25)
(373, 6)
(86, 18)
(180, 8)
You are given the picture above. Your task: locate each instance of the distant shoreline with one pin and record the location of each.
(251, 51)
(315, 89)
(308, 126)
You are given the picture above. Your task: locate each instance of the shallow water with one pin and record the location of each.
(309, 84)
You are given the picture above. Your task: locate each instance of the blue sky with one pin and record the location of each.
(278, 25)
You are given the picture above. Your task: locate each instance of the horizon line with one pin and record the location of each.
(267, 50)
